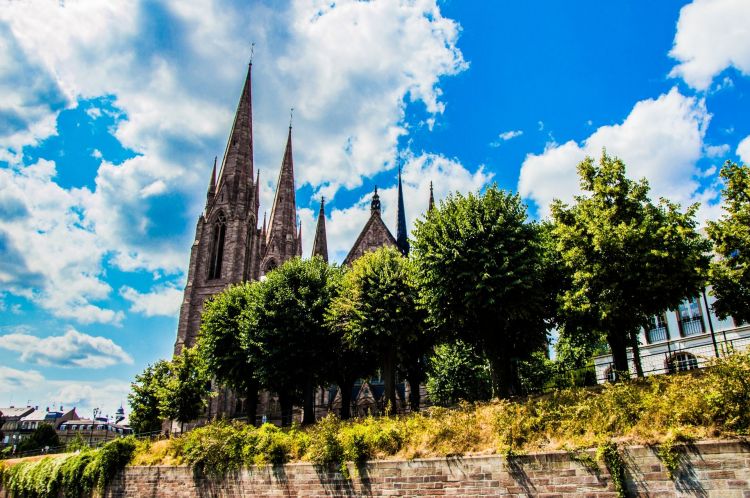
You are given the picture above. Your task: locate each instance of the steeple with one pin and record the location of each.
(375, 203)
(320, 245)
(402, 241)
(431, 205)
(237, 166)
(263, 232)
(212, 185)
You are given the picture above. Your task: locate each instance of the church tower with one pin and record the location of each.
(320, 244)
(227, 240)
(282, 241)
(402, 239)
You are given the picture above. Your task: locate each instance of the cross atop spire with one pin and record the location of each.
(320, 244)
(402, 240)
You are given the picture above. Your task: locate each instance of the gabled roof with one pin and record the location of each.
(15, 411)
(379, 230)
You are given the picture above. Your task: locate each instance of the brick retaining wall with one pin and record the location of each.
(710, 469)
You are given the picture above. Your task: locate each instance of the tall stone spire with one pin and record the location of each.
(320, 244)
(431, 204)
(237, 166)
(212, 185)
(299, 240)
(402, 240)
(281, 237)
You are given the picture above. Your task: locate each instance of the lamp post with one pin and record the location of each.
(93, 424)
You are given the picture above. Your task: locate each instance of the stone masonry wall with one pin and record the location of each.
(708, 469)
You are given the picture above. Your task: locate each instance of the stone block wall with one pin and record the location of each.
(707, 469)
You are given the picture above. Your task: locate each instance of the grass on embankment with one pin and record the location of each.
(658, 410)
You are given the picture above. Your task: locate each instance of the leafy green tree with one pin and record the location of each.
(145, 415)
(184, 394)
(226, 343)
(484, 273)
(627, 259)
(455, 373)
(288, 321)
(377, 310)
(43, 436)
(730, 274)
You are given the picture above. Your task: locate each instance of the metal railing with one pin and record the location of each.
(91, 444)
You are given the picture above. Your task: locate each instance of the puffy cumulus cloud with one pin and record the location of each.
(175, 70)
(661, 140)
(344, 225)
(13, 380)
(712, 35)
(51, 254)
(106, 395)
(161, 301)
(72, 349)
(743, 150)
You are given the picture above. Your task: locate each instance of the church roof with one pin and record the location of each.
(375, 234)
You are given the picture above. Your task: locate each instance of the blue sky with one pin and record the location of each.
(111, 115)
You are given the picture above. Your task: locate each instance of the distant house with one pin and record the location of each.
(10, 418)
(95, 430)
(19, 429)
(681, 339)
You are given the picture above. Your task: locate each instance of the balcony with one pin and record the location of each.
(656, 334)
(691, 326)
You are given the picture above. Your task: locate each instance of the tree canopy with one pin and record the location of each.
(730, 273)
(626, 258)
(484, 275)
(184, 395)
(145, 415)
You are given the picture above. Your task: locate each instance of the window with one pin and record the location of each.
(657, 329)
(217, 247)
(690, 317)
(609, 375)
(682, 362)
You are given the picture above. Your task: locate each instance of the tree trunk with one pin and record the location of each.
(618, 343)
(414, 377)
(346, 386)
(308, 402)
(251, 403)
(636, 354)
(501, 374)
(285, 400)
(389, 379)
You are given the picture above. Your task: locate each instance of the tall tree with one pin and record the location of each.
(226, 344)
(627, 258)
(730, 273)
(377, 310)
(456, 372)
(184, 394)
(144, 398)
(289, 321)
(485, 279)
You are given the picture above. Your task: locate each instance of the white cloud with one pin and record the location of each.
(349, 68)
(161, 301)
(661, 140)
(505, 136)
(712, 35)
(13, 380)
(104, 394)
(72, 349)
(344, 225)
(743, 150)
(716, 150)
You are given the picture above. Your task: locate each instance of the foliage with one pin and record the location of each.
(377, 311)
(145, 415)
(730, 274)
(72, 476)
(290, 329)
(612, 459)
(680, 407)
(626, 258)
(76, 444)
(43, 436)
(485, 278)
(183, 395)
(456, 372)
(225, 343)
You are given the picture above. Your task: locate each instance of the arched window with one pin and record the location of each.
(682, 362)
(217, 247)
(609, 375)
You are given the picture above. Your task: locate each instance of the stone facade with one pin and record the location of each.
(709, 469)
(374, 234)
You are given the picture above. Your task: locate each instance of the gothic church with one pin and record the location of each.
(229, 247)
